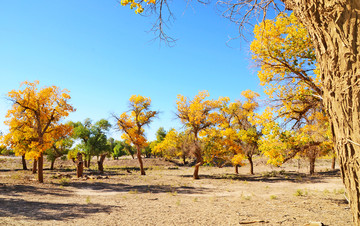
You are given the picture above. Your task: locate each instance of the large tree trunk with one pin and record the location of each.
(334, 26)
(312, 165)
(34, 168)
(79, 165)
(138, 154)
(199, 159)
(40, 168)
(23, 161)
(101, 163)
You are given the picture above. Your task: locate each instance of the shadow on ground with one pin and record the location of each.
(21, 190)
(48, 211)
(275, 176)
(155, 189)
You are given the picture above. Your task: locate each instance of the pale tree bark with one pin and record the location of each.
(334, 26)
(198, 156)
(138, 154)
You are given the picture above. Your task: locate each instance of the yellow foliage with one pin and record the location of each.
(34, 119)
(132, 124)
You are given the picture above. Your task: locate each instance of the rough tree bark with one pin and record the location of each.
(79, 165)
(138, 154)
(312, 165)
(101, 163)
(334, 26)
(199, 159)
(40, 168)
(23, 161)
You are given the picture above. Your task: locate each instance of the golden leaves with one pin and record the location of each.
(34, 119)
(132, 124)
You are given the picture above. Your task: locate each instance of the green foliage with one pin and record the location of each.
(121, 148)
(60, 147)
(92, 137)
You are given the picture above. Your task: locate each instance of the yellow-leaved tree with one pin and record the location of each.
(132, 124)
(234, 138)
(175, 145)
(284, 52)
(198, 114)
(35, 120)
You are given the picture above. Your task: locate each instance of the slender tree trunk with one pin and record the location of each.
(333, 162)
(334, 26)
(184, 159)
(101, 163)
(138, 154)
(312, 165)
(85, 162)
(88, 162)
(52, 164)
(34, 168)
(199, 159)
(199, 162)
(237, 169)
(23, 161)
(40, 168)
(251, 164)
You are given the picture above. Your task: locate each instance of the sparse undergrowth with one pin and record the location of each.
(273, 195)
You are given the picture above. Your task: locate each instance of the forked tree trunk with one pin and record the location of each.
(138, 154)
(101, 163)
(34, 168)
(312, 165)
(23, 161)
(40, 168)
(334, 26)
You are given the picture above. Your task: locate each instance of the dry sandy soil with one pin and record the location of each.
(168, 195)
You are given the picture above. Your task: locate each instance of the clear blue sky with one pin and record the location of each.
(102, 53)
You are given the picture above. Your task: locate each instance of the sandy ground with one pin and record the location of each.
(168, 195)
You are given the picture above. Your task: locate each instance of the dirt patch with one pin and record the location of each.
(168, 195)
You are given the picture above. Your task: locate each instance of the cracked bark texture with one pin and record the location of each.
(334, 26)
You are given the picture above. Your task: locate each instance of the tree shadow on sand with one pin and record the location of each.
(21, 190)
(275, 176)
(145, 188)
(48, 211)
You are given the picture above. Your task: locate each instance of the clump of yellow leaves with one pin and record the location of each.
(139, 8)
